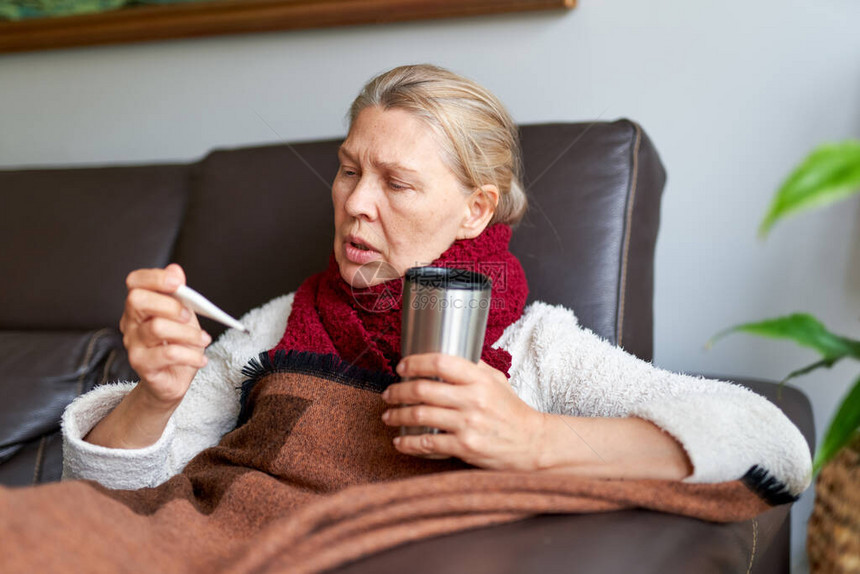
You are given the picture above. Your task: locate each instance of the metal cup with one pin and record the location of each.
(444, 311)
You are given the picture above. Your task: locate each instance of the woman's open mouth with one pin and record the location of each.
(360, 253)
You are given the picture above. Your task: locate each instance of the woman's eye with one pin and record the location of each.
(347, 171)
(396, 186)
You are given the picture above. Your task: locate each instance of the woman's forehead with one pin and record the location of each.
(394, 123)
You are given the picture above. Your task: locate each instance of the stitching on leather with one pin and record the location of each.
(82, 372)
(108, 364)
(628, 224)
(88, 355)
(40, 457)
(752, 551)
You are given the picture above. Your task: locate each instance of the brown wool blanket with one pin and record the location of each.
(309, 482)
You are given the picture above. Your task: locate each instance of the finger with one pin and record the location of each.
(143, 304)
(155, 359)
(437, 393)
(424, 416)
(424, 444)
(449, 368)
(157, 330)
(166, 280)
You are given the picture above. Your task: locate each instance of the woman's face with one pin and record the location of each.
(396, 204)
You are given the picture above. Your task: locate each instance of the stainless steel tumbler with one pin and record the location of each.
(444, 311)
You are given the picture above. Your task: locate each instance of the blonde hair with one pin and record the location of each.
(479, 139)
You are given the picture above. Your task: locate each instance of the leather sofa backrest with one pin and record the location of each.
(260, 221)
(588, 239)
(69, 237)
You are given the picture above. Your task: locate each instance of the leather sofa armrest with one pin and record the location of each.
(627, 540)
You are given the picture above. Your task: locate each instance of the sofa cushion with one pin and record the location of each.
(42, 373)
(35, 462)
(259, 222)
(69, 237)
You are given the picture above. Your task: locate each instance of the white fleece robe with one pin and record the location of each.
(557, 367)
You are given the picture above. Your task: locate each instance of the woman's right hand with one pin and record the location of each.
(163, 338)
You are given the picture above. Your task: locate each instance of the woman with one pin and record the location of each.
(430, 173)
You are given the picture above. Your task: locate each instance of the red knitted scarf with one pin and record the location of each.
(362, 326)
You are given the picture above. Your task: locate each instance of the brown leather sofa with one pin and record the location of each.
(249, 224)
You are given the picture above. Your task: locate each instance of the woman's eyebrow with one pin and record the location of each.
(394, 166)
(387, 165)
(343, 151)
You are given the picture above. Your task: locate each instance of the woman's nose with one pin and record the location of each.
(361, 202)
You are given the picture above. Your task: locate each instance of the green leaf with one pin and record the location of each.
(803, 329)
(830, 173)
(823, 363)
(842, 428)
(28, 9)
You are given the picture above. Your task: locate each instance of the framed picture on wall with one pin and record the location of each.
(48, 24)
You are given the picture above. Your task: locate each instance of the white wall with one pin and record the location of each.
(733, 94)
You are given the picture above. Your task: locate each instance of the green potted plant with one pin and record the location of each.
(829, 174)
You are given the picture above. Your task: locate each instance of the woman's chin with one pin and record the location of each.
(367, 274)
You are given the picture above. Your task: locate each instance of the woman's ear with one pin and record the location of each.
(480, 207)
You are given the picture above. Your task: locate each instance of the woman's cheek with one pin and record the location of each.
(338, 191)
(412, 213)
(339, 196)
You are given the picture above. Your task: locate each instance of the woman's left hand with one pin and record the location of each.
(486, 424)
